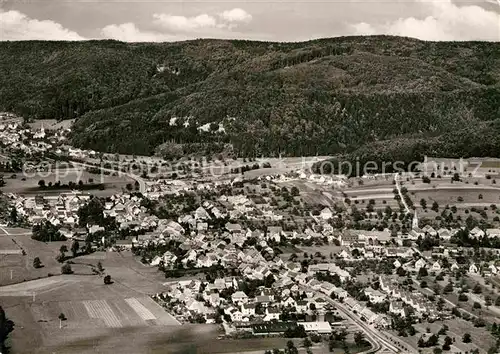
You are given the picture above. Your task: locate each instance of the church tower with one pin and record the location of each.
(414, 223)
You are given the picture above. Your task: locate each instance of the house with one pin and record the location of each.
(430, 230)
(302, 306)
(239, 297)
(444, 234)
(127, 243)
(474, 269)
(236, 315)
(397, 308)
(455, 266)
(340, 293)
(326, 214)
(233, 228)
(263, 300)
(421, 263)
(476, 232)
(317, 327)
(272, 314)
(436, 266)
(493, 233)
(288, 302)
(375, 296)
(248, 309)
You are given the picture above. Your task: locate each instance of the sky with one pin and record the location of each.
(278, 20)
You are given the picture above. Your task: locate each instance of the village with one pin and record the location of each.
(326, 263)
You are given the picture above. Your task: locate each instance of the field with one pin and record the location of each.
(92, 309)
(51, 124)
(105, 318)
(457, 327)
(29, 186)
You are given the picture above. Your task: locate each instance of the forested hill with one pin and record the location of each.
(319, 97)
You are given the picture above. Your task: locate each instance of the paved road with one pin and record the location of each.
(380, 341)
(401, 194)
(140, 180)
(374, 341)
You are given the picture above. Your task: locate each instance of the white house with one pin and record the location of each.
(375, 296)
(473, 269)
(326, 214)
(436, 266)
(248, 309)
(239, 297)
(421, 263)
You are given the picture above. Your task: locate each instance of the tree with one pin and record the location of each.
(6, 327)
(61, 317)
(448, 288)
(66, 269)
(99, 267)
(359, 338)
(462, 297)
(13, 215)
(466, 338)
(447, 343)
(41, 183)
(63, 249)
(107, 279)
(477, 289)
(435, 206)
(37, 263)
(476, 305)
(423, 203)
(307, 342)
(75, 246)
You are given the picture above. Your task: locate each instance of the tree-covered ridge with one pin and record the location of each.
(319, 97)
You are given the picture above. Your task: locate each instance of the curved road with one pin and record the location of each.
(378, 340)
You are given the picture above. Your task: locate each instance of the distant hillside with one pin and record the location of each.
(319, 97)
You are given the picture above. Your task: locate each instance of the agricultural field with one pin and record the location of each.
(15, 268)
(457, 327)
(93, 311)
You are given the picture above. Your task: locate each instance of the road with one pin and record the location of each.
(401, 194)
(378, 340)
(140, 180)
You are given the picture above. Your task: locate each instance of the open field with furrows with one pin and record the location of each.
(92, 310)
(29, 186)
(106, 319)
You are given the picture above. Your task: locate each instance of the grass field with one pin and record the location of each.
(457, 327)
(29, 186)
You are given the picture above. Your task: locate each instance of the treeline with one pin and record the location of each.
(320, 97)
(80, 185)
(46, 232)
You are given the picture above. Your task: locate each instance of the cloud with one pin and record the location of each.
(236, 15)
(128, 32)
(185, 24)
(445, 21)
(15, 25)
(174, 27)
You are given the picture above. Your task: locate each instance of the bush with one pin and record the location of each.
(66, 269)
